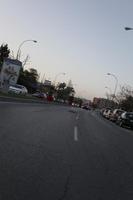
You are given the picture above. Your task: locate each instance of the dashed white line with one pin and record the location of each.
(77, 117)
(75, 133)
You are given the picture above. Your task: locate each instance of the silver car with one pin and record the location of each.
(18, 89)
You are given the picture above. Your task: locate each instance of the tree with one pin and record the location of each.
(29, 78)
(125, 98)
(68, 92)
(33, 75)
(64, 92)
(78, 101)
(60, 90)
(4, 53)
(61, 86)
(127, 104)
(125, 91)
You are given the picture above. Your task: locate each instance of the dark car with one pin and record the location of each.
(86, 107)
(40, 95)
(126, 120)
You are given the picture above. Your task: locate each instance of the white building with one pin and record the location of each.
(9, 72)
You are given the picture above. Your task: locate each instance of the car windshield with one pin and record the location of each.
(130, 115)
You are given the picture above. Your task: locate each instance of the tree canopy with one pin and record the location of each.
(4, 53)
(127, 104)
(64, 92)
(29, 78)
(125, 98)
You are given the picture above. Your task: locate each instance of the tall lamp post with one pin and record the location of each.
(18, 52)
(116, 83)
(108, 88)
(110, 93)
(57, 77)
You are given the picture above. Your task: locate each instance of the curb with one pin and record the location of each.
(14, 99)
(19, 100)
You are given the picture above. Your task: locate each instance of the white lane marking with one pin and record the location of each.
(77, 117)
(76, 133)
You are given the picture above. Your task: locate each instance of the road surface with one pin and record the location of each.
(50, 152)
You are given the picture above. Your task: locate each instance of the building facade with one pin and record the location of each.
(9, 72)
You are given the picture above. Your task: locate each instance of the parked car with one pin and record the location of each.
(18, 89)
(115, 114)
(106, 112)
(86, 107)
(126, 120)
(40, 95)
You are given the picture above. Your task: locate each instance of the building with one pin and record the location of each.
(47, 83)
(9, 72)
(96, 101)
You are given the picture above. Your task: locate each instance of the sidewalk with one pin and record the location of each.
(21, 100)
(30, 100)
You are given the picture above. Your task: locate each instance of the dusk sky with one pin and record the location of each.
(83, 38)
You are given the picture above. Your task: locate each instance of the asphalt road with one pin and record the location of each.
(50, 152)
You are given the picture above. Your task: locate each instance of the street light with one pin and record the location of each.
(110, 93)
(128, 28)
(116, 84)
(57, 76)
(18, 52)
(109, 89)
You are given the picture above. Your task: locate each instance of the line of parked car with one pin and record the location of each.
(22, 90)
(118, 116)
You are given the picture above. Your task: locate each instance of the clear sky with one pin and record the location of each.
(84, 38)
